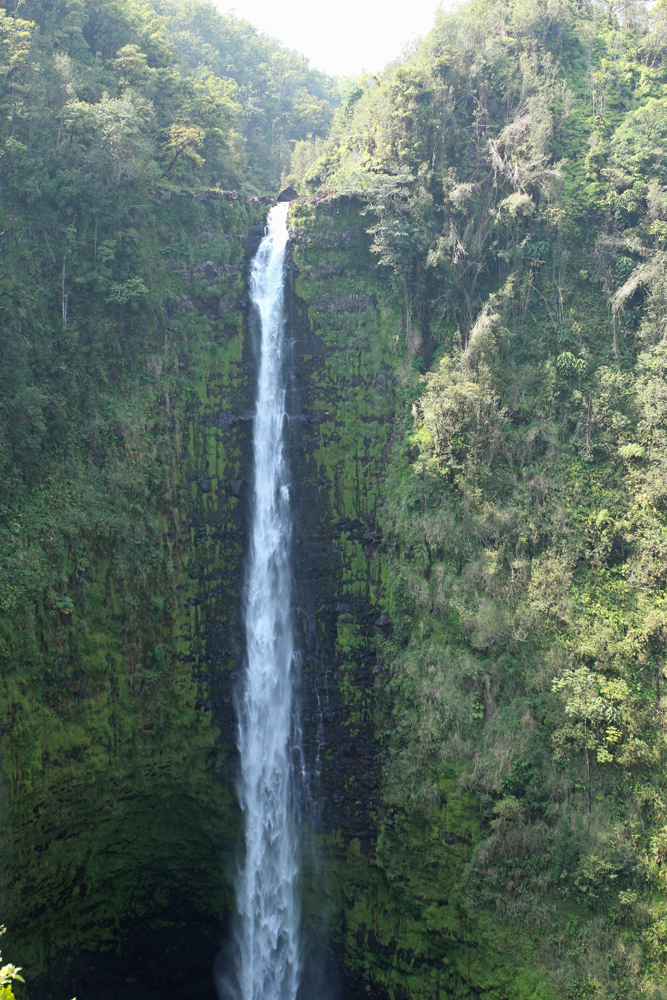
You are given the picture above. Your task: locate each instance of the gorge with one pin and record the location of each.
(333, 559)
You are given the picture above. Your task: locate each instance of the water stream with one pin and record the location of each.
(267, 930)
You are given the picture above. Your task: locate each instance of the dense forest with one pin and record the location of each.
(106, 108)
(513, 173)
(485, 222)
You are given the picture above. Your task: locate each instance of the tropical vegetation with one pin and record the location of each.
(507, 179)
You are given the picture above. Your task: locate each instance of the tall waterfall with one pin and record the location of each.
(268, 910)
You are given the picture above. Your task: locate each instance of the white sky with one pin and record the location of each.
(342, 37)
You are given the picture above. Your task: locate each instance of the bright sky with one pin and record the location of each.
(342, 37)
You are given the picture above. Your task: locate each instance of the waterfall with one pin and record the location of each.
(267, 945)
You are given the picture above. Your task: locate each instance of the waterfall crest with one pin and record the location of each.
(268, 911)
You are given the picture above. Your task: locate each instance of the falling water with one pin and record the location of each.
(268, 912)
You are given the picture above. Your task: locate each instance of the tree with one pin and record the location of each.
(597, 703)
(15, 39)
(460, 423)
(185, 141)
(637, 150)
(114, 133)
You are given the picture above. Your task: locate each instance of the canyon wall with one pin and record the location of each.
(120, 816)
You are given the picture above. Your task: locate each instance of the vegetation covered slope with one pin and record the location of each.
(101, 120)
(513, 173)
(133, 141)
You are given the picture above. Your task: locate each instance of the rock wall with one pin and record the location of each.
(119, 818)
(119, 815)
(391, 886)
(344, 400)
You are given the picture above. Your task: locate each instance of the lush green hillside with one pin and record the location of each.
(131, 153)
(478, 299)
(101, 122)
(513, 177)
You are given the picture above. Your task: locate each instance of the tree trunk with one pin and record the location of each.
(64, 303)
(588, 771)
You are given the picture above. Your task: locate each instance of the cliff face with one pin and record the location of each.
(118, 812)
(478, 442)
(395, 898)
(345, 395)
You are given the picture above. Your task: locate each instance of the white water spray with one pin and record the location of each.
(268, 911)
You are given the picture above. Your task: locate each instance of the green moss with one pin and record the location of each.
(114, 771)
(401, 904)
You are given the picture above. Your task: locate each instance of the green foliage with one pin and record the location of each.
(510, 173)
(120, 297)
(132, 95)
(490, 235)
(280, 101)
(460, 421)
(8, 974)
(598, 702)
